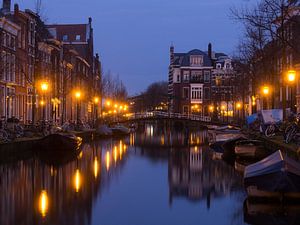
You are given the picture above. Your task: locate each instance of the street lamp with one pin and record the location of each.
(291, 78)
(44, 88)
(78, 96)
(96, 101)
(266, 90)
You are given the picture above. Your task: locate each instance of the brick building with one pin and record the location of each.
(198, 81)
(190, 82)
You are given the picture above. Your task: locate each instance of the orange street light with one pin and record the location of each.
(211, 108)
(108, 103)
(96, 100)
(266, 90)
(116, 105)
(291, 76)
(78, 94)
(238, 105)
(44, 86)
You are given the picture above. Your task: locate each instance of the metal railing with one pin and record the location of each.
(159, 114)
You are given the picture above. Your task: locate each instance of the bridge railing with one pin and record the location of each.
(159, 114)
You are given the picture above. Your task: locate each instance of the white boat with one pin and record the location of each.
(276, 176)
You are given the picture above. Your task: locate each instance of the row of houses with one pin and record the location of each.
(44, 65)
(213, 84)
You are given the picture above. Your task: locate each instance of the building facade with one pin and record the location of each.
(60, 55)
(190, 82)
(200, 82)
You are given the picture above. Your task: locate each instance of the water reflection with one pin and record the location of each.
(178, 184)
(161, 136)
(34, 192)
(194, 175)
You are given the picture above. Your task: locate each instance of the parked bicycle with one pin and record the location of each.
(272, 129)
(292, 130)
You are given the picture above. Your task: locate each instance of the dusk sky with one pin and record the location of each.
(133, 36)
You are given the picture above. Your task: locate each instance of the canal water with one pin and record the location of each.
(149, 178)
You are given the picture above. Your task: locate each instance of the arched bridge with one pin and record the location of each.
(158, 115)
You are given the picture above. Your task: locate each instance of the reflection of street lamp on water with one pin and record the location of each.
(43, 203)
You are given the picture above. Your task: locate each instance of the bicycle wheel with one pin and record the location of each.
(290, 135)
(270, 131)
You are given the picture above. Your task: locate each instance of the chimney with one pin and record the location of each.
(171, 54)
(6, 6)
(90, 20)
(16, 9)
(209, 52)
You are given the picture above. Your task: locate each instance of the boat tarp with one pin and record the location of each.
(272, 116)
(272, 164)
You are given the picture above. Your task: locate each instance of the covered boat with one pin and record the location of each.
(218, 149)
(60, 142)
(250, 149)
(276, 176)
(104, 130)
(120, 130)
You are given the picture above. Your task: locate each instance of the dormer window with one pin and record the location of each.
(196, 60)
(227, 66)
(65, 37)
(219, 66)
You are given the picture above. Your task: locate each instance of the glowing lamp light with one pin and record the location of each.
(43, 203)
(238, 105)
(96, 100)
(77, 94)
(42, 103)
(44, 86)
(211, 108)
(108, 103)
(266, 90)
(291, 75)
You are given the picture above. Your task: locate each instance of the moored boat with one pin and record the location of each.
(120, 130)
(104, 131)
(60, 142)
(250, 149)
(276, 176)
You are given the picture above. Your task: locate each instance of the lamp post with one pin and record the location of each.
(96, 102)
(78, 96)
(44, 89)
(291, 78)
(238, 107)
(265, 92)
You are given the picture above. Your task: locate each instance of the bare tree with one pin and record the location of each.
(113, 87)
